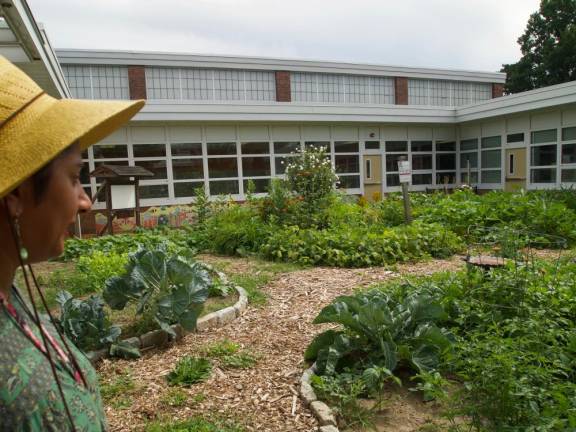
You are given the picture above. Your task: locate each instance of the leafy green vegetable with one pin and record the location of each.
(165, 288)
(379, 331)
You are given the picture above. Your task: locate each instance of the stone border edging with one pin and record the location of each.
(321, 411)
(157, 338)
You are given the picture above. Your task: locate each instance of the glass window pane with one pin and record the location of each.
(421, 146)
(347, 164)
(468, 157)
(473, 177)
(102, 151)
(318, 144)
(255, 166)
(491, 159)
(421, 162)
(222, 167)
(286, 147)
(569, 134)
(85, 173)
(158, 167)
(544, 136)
(469, 144)
(517, 137)
(260, 185)
(224, 187)
(281, 163)
(187, 189)
(392, 180)
(349, 182)
(225, 148)
(569, 153)
(446, 178)
(491, 176)
(149, 150)
(392, 161)
(445, 146)
(187, 169)
(491, 142)
(372, 145)
(421, 179)
(153, 191)
(445, 161)
(346, 147)
(255, 148)
(569, 175)
(396, 146)
(543, 155)
(186, 149)
(544, 175)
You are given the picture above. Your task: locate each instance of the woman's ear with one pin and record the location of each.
(13, 202)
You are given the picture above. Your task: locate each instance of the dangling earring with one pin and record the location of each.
(23, 251)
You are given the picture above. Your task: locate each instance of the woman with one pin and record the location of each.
(45, 382)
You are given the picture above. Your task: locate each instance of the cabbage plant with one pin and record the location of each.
(168, 289)
(379, 331)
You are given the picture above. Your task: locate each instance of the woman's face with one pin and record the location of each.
(44, 223)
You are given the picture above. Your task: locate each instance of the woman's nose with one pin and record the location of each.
(84, 202)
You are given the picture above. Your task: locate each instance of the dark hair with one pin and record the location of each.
(41, 179)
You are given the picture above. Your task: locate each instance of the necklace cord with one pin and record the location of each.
(37, 317)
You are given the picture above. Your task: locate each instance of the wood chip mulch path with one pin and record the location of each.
(262, 398)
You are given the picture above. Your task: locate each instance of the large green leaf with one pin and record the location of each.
(321, 341)
(118, 291)
(150, 271)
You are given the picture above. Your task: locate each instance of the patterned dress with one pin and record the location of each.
(29, 396)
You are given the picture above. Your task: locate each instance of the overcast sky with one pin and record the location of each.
(457, 34)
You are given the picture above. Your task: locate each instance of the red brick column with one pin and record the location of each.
(401, 90)
(497, 90)
(283, 86)
(137, 82)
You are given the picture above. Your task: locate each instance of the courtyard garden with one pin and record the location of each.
(403, 334)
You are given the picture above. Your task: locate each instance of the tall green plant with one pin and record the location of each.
(313, 178)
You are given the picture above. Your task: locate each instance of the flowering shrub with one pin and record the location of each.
(311, 175)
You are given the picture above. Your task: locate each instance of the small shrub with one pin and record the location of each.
(190, 370)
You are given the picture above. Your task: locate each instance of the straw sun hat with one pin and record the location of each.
(35, 127)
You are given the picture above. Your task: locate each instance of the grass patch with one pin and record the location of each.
(118, 392)
(253, 285)
(230, 356)
(190, 370)
(195, 424)
(175, 397)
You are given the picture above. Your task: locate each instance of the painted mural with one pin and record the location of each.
(174, 216)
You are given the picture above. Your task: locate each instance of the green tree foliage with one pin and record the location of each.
(548, 48)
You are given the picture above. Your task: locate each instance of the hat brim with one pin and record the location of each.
(40, 138)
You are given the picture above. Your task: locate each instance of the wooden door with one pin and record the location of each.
(373, 177)
(515, 169)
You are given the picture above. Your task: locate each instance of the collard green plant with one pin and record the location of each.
(165, 288)
(85, 323)
(378, 331)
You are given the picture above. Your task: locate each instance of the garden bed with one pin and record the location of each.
(263, 397)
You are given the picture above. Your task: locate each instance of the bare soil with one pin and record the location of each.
(262, 398)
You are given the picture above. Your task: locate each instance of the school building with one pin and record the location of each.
(218, 121)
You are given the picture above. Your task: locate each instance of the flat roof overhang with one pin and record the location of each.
(290, 112)
(25, 43)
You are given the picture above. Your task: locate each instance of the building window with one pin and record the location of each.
(445, 168)
(543, 158)
(210, 84)
(568, 156)
(469, 160)
(491, 160)
(97, 82)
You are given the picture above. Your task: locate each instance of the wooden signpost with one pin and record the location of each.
(405, 176)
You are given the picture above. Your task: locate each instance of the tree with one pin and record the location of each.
(548, 48)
